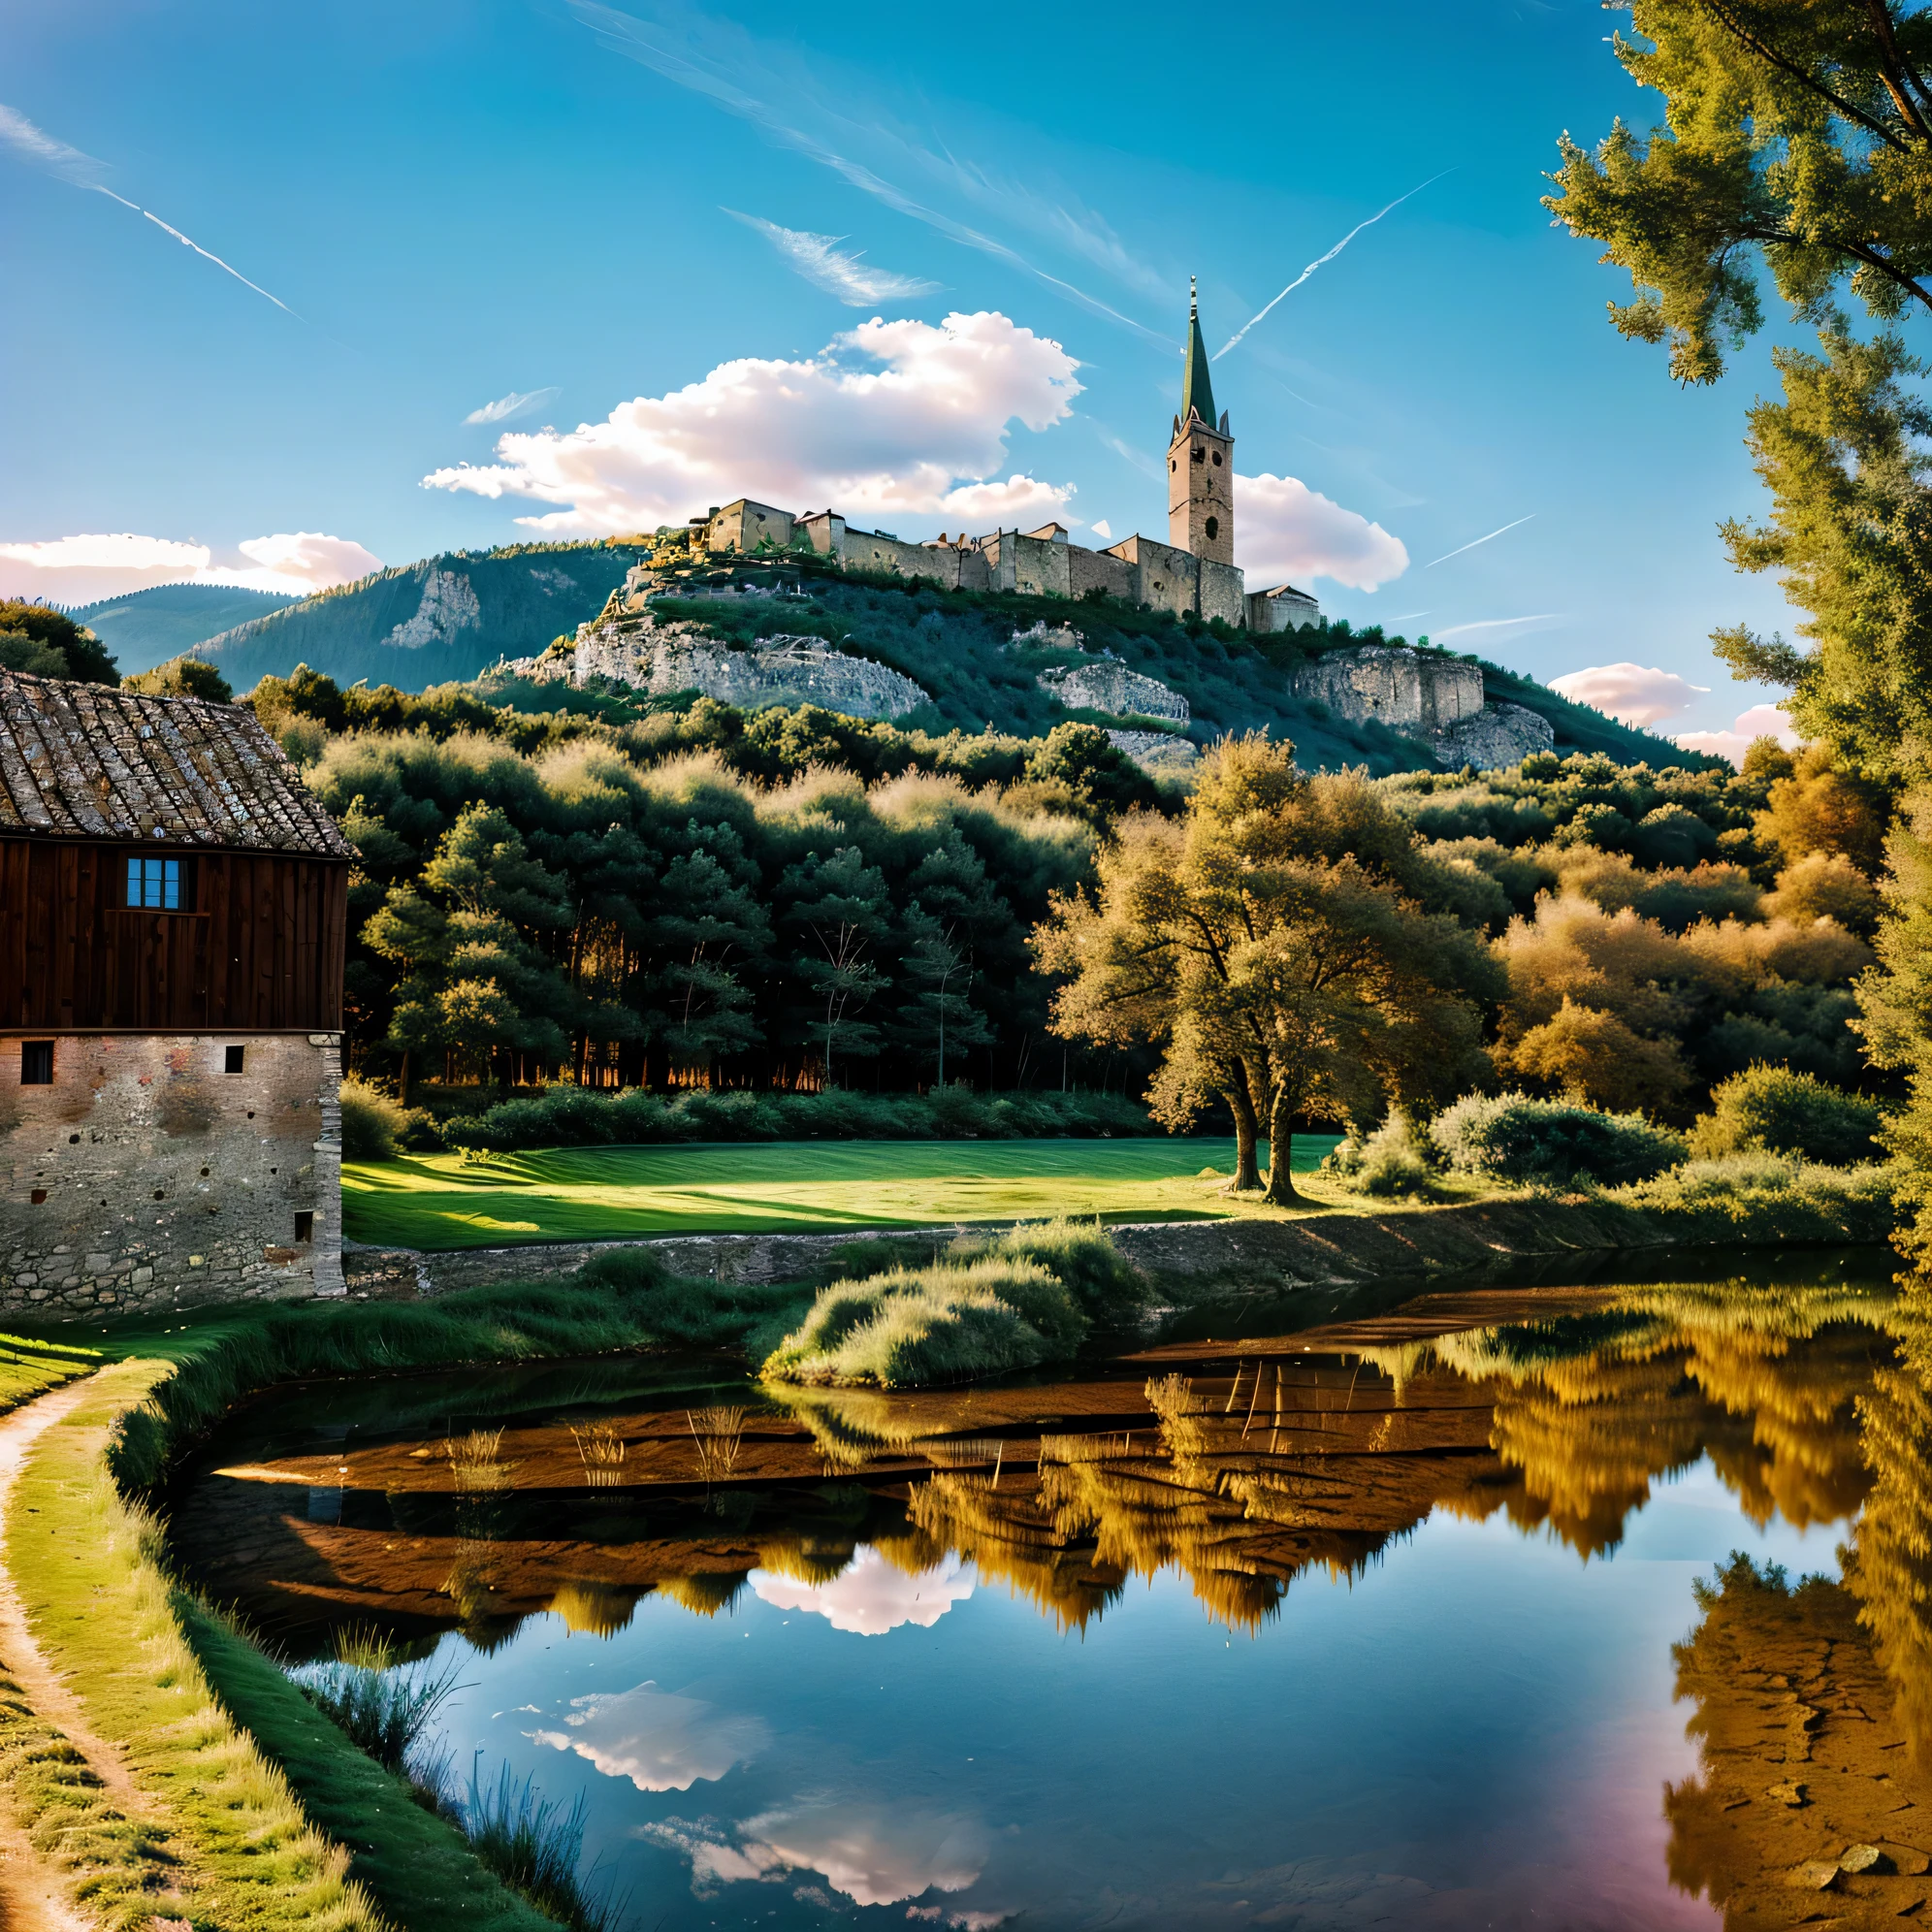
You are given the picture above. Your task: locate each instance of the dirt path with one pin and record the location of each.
(32, 1897)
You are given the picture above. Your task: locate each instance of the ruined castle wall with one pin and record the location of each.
(1097, 570)
(1040, 566)
(882, 555)
(1222, 592)
(744, 524)
(148, 1177)
(1164, 577)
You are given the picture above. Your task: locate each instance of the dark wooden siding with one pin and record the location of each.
(262, 952)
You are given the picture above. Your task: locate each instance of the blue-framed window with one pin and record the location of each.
(154, 885)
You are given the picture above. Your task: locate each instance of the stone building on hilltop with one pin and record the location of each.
(1194, 572)
(172, 918)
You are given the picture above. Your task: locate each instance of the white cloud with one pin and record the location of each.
(515, 404)
(824, 264)
(924, 435)
(1761, 721)
(34, 144)
(658, 1740)
(86, 568)
(1632, 693)
(1284, 530)
(870, 1596)
(870, 1854)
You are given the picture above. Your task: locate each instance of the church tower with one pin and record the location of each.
(1201, 460)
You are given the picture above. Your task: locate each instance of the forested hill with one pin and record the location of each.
(447, 619)
(147, 626)
(435, 622)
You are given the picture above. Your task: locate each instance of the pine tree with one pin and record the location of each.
(1896, 1008)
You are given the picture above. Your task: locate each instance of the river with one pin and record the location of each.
(1430, 1615)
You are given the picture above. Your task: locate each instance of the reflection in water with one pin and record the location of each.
(660, 1741)
(1240, 1466)
(873, 1593)
(873, 1856)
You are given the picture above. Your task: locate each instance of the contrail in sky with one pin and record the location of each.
(70, 165)
(1322, 259)
(1472, 544)
(627, 35)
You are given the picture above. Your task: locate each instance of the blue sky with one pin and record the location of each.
(463, 203)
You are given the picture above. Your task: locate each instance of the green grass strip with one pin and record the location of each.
(417, 1865)
(558, 1194)
(88, 1565)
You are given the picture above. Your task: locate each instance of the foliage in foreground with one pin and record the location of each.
(1532, 1143)
(1783, 1113)
(1896, 1008)
(534, 1844)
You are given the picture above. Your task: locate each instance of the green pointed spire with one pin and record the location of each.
(1197, 387)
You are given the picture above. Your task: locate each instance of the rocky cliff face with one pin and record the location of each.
(1438, 701)
(1107, 685)
(1499, 734)
(662, 659)
(1405, 690)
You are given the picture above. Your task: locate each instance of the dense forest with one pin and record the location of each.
(690, 894)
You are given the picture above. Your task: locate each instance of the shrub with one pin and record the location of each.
(1786, 1113)
(1826, 885)
(572, 1116)
(1106, 1286)
(372, 1122)
(1551, 1142)
(952, 1322)
(1395, 1159)
(532, 1844)
(384, 1706)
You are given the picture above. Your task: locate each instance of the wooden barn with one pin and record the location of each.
(172, 909)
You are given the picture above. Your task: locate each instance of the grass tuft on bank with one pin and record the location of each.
(1027, 1298)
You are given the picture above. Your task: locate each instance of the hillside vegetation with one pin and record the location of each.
(450, 617)
(147, 626)
(428, 623)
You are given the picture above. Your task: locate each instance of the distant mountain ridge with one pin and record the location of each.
(438, 621)
(146, 628)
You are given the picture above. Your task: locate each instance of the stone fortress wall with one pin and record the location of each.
(146, 1175)
(1041, 563)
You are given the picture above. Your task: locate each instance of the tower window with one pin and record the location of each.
(36, 1062)
(1217, 459)
(1172, 464)
(1199, 453)
(1213, 527)
(304, 1224)
(234, 1059)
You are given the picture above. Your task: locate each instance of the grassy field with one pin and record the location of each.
(450, 1201)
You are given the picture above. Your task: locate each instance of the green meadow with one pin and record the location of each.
(573, 1194)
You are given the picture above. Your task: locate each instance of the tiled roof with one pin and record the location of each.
(92, 762)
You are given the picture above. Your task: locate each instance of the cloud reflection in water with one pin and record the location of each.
(658, 1740)
(872, 1595)
(872, 1856)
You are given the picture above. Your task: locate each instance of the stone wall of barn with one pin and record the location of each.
(159, 1171)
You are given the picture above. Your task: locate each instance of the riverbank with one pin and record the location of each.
(189, 1781)
(1330, 1243)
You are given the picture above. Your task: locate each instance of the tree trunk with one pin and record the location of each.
(1247, 1171)
(1281, 1191)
